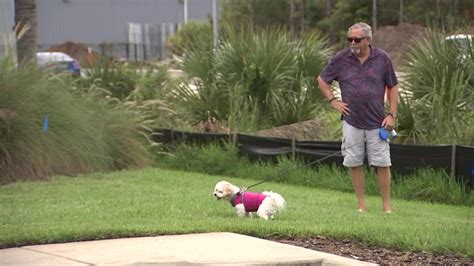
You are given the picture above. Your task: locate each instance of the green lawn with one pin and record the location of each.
(156, 201)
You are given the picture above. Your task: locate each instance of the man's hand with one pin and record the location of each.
(341, 107)
(389, 122)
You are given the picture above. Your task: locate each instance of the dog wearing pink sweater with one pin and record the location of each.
(245, 203)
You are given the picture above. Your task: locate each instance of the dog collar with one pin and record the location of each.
(235, 198)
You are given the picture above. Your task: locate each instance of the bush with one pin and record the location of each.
(188, 36)
(111, 79)
(433, 186)
(254, 80)
(211, 159)
(50, 130)
(436, 107)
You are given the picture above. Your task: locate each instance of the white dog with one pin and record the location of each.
(265, 204)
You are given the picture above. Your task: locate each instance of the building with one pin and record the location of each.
(123, 28)
(7, 22)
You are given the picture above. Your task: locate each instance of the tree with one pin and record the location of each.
(260, 13)
(25, 14)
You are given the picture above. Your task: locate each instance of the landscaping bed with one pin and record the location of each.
(383, 256)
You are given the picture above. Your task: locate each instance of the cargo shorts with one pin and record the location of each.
(356, 142)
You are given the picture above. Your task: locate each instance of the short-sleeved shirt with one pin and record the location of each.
(362, 85)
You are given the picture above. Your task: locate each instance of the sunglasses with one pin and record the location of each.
(356, 40)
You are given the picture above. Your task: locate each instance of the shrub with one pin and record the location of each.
(439, 83)
(113, 79)
(255, 79)
(433, 186)
(52, 131)
(211, 159)
(188, 35)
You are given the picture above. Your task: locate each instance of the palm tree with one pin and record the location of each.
(25, 15)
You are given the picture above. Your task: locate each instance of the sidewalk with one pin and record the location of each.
(192, 249)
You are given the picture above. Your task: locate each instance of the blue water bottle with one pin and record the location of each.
(386, 134)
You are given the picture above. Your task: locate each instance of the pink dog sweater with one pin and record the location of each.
(252, 200)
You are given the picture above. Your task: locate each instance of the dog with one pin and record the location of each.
(265, 204)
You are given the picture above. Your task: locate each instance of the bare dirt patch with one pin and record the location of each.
(78, 51)
(383, 256)
(395, 40)
(306, 130)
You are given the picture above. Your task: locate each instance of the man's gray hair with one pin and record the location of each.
(366, 29)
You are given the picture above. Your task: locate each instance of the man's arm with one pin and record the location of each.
(335, 103)
(393, 99)
(390, 120)
(325, 89)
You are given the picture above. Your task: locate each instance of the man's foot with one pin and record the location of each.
(362, 209)
(387, 210)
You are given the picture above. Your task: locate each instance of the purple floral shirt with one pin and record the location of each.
(362, 85)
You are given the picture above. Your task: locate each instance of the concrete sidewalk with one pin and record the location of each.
(192, 249)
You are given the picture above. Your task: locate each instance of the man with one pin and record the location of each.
(363, 72)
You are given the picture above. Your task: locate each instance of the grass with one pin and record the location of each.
(156, 201)
(425, 184)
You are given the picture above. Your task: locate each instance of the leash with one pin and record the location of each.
(243, 189)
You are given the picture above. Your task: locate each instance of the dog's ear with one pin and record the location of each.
(226, 189)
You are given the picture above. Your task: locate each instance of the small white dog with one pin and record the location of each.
(265, 204)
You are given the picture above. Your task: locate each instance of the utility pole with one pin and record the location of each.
(327, 8)
(400, 20)
(292, 20)
(215, 22)
(185, 11)
(302, 16)
(438, 9)
(374, 15)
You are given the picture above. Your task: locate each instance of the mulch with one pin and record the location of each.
(379, 255)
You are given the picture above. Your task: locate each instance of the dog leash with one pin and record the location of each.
(385, 136)
(243, 189)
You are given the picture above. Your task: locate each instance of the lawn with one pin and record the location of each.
(155, 201)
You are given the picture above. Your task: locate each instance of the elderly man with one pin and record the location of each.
(363, 72)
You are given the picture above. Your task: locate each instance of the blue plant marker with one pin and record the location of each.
(45, 124)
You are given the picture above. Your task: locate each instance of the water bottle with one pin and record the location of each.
(386, 134)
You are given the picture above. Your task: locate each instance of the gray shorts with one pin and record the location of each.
(354, 147)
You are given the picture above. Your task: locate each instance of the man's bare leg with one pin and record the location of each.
(384, 179)
(357, 174)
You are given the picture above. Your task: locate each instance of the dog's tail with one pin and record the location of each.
(277, 198)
